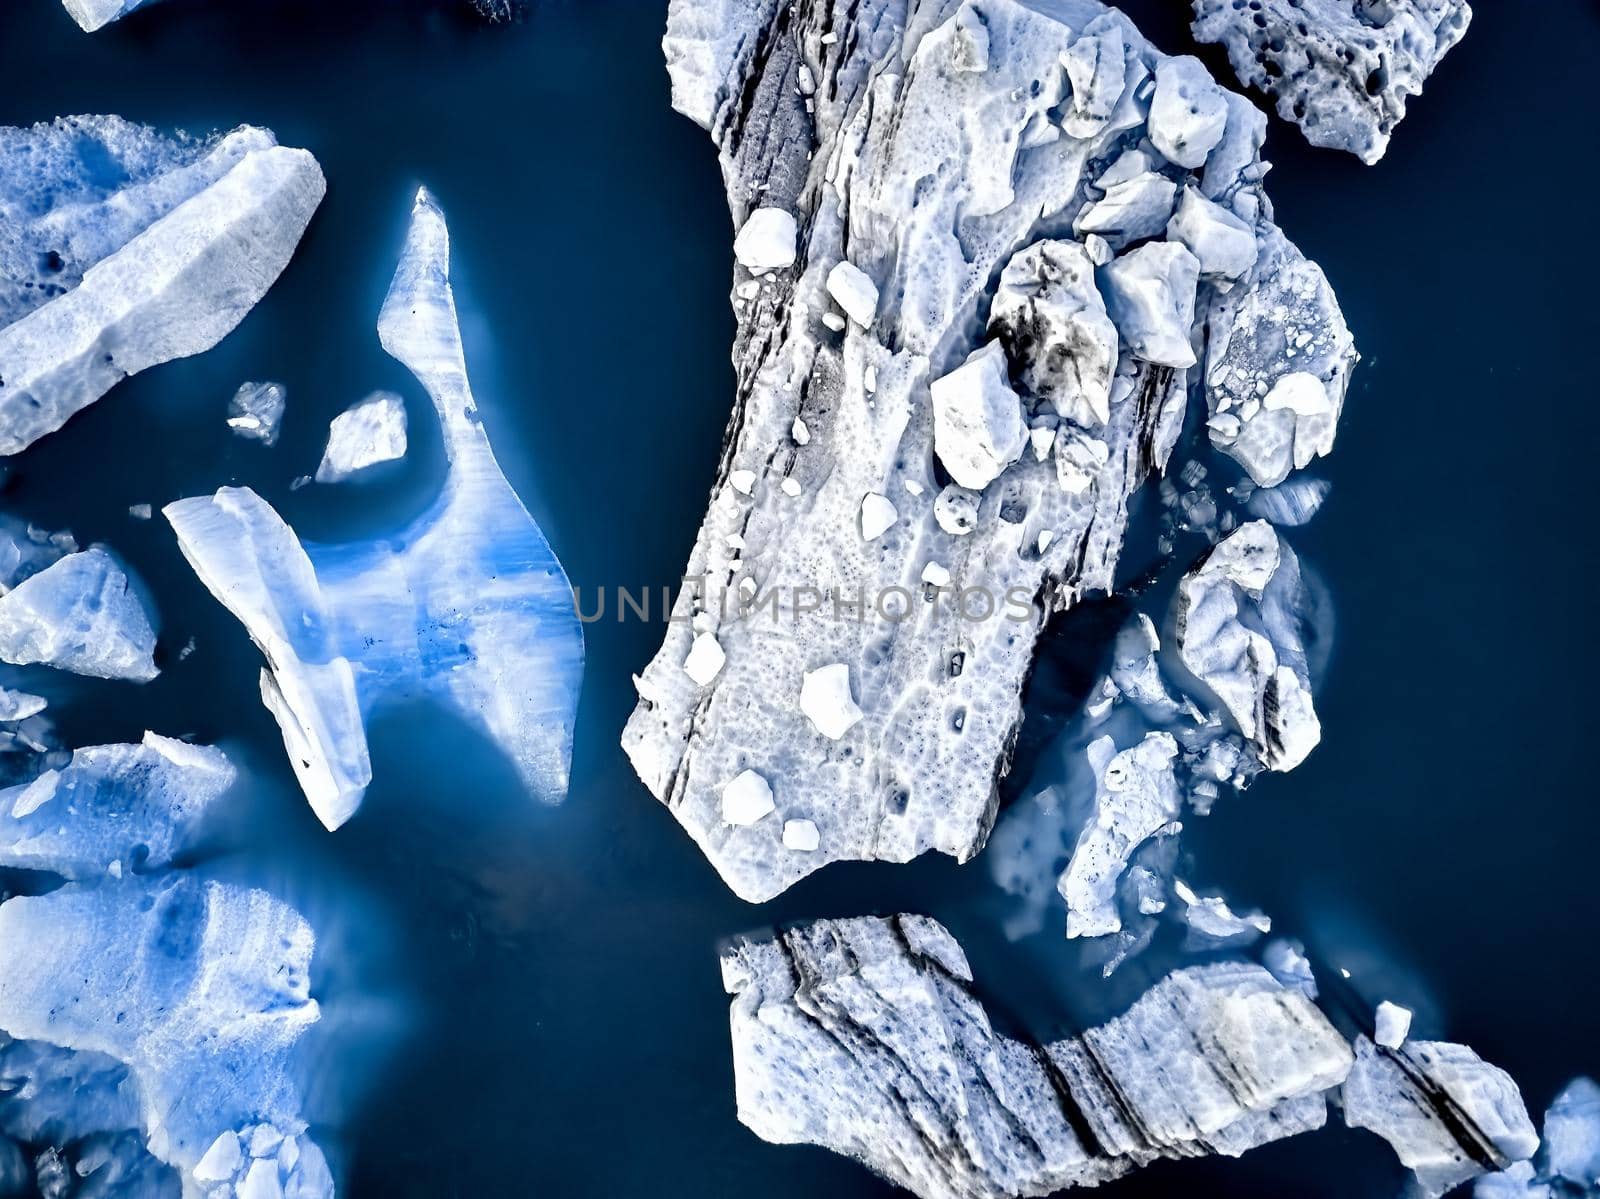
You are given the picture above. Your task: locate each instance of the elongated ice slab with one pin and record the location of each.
(103, 280)
(467, 605)
(82, 615)
(863, 1036)
(1340, 69)
(981, 165)
(1449, 1115)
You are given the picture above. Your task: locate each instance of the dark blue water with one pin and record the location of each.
(525, 1001)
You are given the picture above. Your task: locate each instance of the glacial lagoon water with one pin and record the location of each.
(524, 1000)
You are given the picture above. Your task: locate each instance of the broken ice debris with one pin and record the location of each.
(80, 614)
(746, 799)
(467, 605)
(256, 411)
(1448, 1114)
(1215, 925)
(121, 808)
(1393, 1025)
(934, 146)
(123, 249)
(826, 701)
(863, 1036)
(364, 435)
(1340, 69)
(1238, 629)
(854, 291)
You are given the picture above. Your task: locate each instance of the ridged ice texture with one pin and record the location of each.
(863, 1036)
(79, 614)
(1449, 1115)
(1340, 69)
(112, 808)
(200, 989)
(130, 254)
(467, 605)
(933, 144)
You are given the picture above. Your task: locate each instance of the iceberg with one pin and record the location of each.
(82, 615)
(1340, 69)
(467, 605)
(1027, 365)
(863, 1036)
(1449, 1115)
(363, 435)
(149, 1014)
(121, 249)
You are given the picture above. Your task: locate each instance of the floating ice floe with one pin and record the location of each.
(97, 14)
(121, 249)
(1448, 1114)
(365, 434)
(256, 411)
(79, 614)
(1340, 69)
(147, 1004)
(1568, 1162)
(992, 167)
(863, 1036)
(467, 605)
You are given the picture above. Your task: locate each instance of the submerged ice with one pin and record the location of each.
(467, 606)
(1074, 233)
(122, 248)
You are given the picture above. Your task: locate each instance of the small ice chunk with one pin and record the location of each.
(140, 511)
(82, 615)
(1301, 393)
(878, 515)
(826, 701)
(221, 1161)
(363, 435)
(1224, 245)
(262, 1181)
(1041, 439)
(1188, 113)
(1291, 503)
(256, 411)
(936, 574)
(977, 419)
(1572, 1133)
(1288, 964)
(746, 799)
(800, 432)
(790, 486)
(855, 292)
(1393, 1025)
(705, 659)
(767, 241)
(956, 510)
(801, 836)
(1213, 923)
(742, 481)
(19, 705)
(1131, 210)
(1150, 294)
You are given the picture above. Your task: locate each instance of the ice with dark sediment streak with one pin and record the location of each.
(80, 614)
(863, 1036)
(467, 605)
(1340, 69)
(122, 248)
(989, 170)
(1449, 1115)
(151, 1013)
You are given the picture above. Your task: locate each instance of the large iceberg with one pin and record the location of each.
(863, 1036)
(1063, 230)
(145, 999)
(1340, 69)
(467, 605)
(121, 249)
